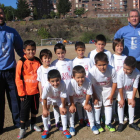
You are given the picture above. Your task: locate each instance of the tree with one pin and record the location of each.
(35, 13)
(22, 9)
(79, 11)
(52, 14)
(63, 6)
(43, 33)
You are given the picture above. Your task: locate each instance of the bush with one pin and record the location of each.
(43, 33)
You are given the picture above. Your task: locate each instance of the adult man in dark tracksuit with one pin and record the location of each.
(9, 40)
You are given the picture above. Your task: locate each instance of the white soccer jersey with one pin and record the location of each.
(127, 82)
(65, 69)
(42, 74)
(85, 62)
(79, 92)
(102, 82)
(92, 54)
(118, 61)
(55, 94)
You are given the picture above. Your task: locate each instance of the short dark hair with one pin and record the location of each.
(79, 45)
(54, 74)
(29, 43)
(101, 56)
(100, 37)
(130, 61)
(133, 10)
(116, 42)
(78, 69)
(59, 46)
(45, 52)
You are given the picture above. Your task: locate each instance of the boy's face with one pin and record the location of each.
(100, 46)
(127, 69)
(80, 78)
(55, 82)
(80, 52)
(102, 66)
(119, 49)
(60, 54)
(30, 51)
(46, 60)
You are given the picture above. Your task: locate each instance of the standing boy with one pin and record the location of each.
(103, 79)
(27, 86)
(127, 83)
(55, 89)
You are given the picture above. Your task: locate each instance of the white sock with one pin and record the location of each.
(108, 114)
(45, 123)
(64, 122)
(120, 114)
(72, 115)
(131, 114)
(79, 111)
(114, 107)
(90, 118)
(97, 115)
(56, 114)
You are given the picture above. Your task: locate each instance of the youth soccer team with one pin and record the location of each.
(89, 86)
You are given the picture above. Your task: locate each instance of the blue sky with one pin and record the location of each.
(9, 3)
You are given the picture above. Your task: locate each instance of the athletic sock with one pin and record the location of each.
(108, 114)
(45, 123)
(97, 115)
(120, 114)
(131, 114)
(56, 114)
(90, 118)
(72, 115)
(64, 121)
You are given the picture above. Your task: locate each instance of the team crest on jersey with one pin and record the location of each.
(8, 35)
(139, 32)
(84, 91)
(86, 67)
(68, 68)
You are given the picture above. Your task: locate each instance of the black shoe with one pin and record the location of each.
(133, 125)
(120, 127)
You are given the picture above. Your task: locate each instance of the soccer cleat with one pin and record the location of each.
(81, 122)
(100, 129)
(35, 127)
(59, 126)
(120, 127)
(134, 126)
(87, 123)
(110, 127)
(21, 134)
(95, 130)
(66, 134)
(45, 134)
(72, 131)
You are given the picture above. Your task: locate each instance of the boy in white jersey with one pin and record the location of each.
(42, 77)
(87, 64)
(103, 79)
(118, 60)
(127, 83)
(100, 44)
(80, 91)
(55, 89)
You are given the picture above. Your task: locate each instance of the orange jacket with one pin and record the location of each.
(28, 85)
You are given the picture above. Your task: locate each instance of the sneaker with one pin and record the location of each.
(103, 119)
(133, 125)
(125, 117)
(72, 131)
(87, 123)
(110, 127)
(45, 134)
(81, 122)
(120, 127)
(59, 126)
(49, 126)
(35, 127)
(67, 134)
(95, 130)
(99, 127)
(21, 134)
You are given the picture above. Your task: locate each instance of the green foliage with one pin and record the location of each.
(52, 14)
(43, 33)
(44, 16)
(35, 13)
(79, 11)
(22, 9)
(63, 6)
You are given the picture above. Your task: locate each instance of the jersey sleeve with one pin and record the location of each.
(118, 34)
(136, 82)
(89, 89)
(39, 74)
(70, 89)
(63, 93)
(120, 79)
(19, 80)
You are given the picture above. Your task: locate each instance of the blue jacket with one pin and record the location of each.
(9, 40)
(131, 38)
